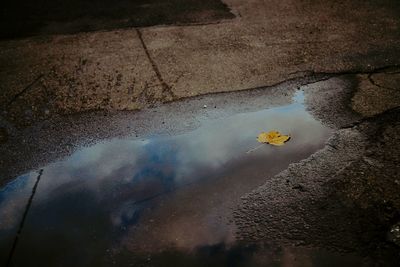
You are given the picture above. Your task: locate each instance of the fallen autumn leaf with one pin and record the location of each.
(273, 138)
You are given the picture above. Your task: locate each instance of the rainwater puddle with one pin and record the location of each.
(157, 201)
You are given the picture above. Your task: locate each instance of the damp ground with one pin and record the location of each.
(176, 185)
(162, 199)
(23, 18)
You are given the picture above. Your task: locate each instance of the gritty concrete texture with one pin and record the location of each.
(383, 81)
(66, 74)
(272, 41)
(59, 92)
(52, 139)
(344, 197)
(378, 92)
(267, 43)
(326, 99)
(21, 18)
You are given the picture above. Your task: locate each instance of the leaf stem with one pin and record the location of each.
(254, 149)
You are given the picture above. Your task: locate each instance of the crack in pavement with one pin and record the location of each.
(372, 81)
(369, 118)
(309, 77)
(166, 89)
(306, 78)
(21, 225)
(23, 91)
(259, 219)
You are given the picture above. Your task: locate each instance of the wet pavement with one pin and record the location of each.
(22, 18)
(166, 198)
(96, 168)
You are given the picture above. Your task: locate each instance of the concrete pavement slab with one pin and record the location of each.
(22, 18)
(71, 73)
(273, 41)
(267, 43)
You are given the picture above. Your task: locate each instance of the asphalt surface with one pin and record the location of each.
(62, 91)
(345, 196)
(22, 18)
(175, 193)
(266, 43)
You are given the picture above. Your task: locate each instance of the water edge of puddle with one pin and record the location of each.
(163, 199)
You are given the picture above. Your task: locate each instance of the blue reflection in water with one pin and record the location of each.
(99, 195)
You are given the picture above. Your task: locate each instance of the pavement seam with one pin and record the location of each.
(307, 77)
(370, 118)
(166, 89)
(191, 24)
(21, 225)
(384, 69)
(23, 91)
(373, 82)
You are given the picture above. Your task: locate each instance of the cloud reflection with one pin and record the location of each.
(161, 191)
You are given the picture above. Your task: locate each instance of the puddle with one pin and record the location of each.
(163, 200)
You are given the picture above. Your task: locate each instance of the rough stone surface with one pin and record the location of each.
(267, 43)
(344, 197)
(68, 74)
(272, 41)
(49, 140)
(327, 99)
(378, 92)
(59, 92)
(22, 18)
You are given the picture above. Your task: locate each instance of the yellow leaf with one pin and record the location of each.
(273, 138)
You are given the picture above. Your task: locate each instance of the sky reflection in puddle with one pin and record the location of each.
(161, 193)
